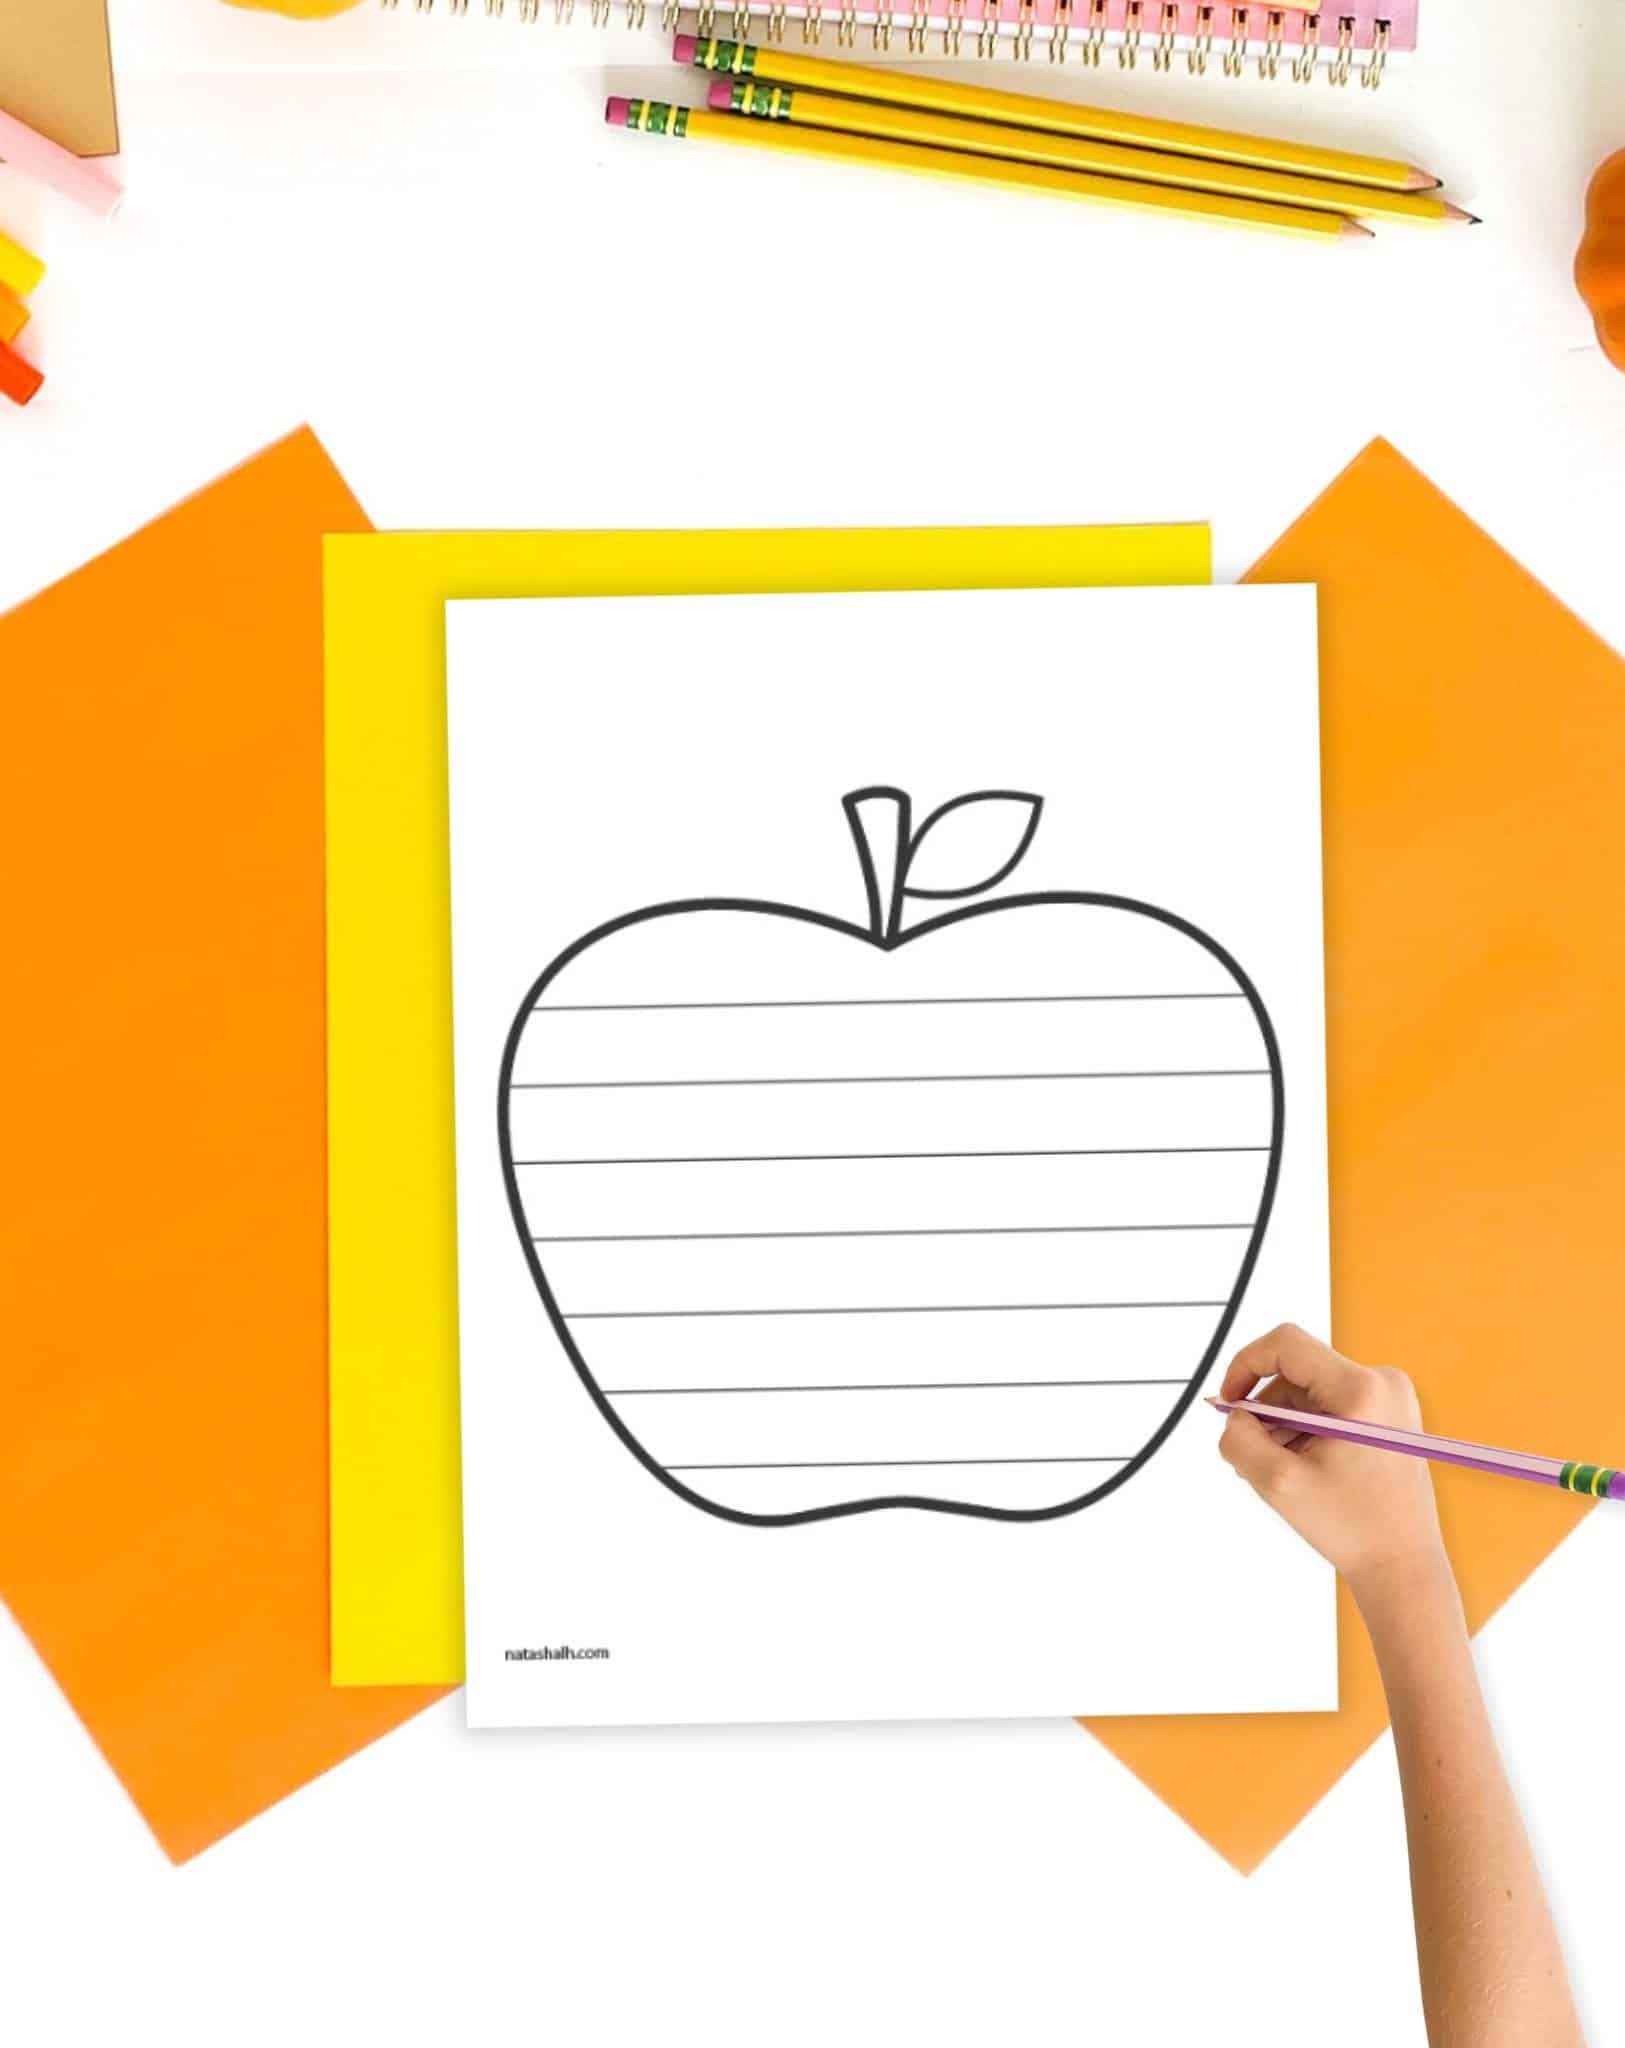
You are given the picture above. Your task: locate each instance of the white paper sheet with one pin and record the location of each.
(857, 1182)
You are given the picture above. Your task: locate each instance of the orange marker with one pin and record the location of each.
(19, 380)
(13, 315)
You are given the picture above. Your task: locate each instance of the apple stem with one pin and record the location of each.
(881, 823)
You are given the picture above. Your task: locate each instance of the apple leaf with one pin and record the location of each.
(971, 843)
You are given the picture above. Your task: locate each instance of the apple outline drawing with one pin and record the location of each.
(886, 856)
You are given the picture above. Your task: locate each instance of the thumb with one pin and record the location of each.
(1248, 1447)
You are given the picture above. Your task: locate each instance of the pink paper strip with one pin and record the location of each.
(36, 156)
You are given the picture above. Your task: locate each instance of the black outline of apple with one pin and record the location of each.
(886, 865)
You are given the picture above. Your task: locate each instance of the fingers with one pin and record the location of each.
(1248, 1448)
(1280, 1393)
(1333, 1382)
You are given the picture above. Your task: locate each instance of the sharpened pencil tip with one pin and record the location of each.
(1417, 180)
(1358, 230)
(1471, 220)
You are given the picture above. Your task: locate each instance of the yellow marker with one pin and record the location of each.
(1072, 152)
(1057, 117)
(19, 271)
(657, 118)
(13, 315)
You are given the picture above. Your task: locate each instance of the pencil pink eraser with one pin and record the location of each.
(721, 94)
(682, 50)
(617, 111)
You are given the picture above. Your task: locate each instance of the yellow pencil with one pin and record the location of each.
(1057, 117)
(655, 117)
(1071, 152)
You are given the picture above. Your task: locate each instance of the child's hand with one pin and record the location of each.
(1492, 1970)
(1368, 1512)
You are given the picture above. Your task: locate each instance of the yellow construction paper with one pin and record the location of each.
(397, 1566)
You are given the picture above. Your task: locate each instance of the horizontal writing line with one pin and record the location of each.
(892, 1387)
(945, 1230)
(923, 1308)
(809, 1158)
(903, 1080)
(851, 1464)
(1198, 995)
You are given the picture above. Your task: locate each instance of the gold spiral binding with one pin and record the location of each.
(1128, 49)
(1381, 35)
(1235, 58)
(1060, 31)
(1201, 42)
(1343, 62)
(770, 19)
(1269, 62)
(1303, 64)
(1095, 39)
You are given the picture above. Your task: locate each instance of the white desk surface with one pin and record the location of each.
(496, 312)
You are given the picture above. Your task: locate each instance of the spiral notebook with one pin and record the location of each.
(1224, 37)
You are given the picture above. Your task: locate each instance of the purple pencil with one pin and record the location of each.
(1597, 1482)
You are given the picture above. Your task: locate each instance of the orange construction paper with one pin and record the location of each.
(163, 1367)
(1473, 760)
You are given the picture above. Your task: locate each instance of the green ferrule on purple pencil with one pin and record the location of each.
(1592, 1480)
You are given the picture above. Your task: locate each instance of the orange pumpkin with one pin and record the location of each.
(301, 10)
(1599, 268)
